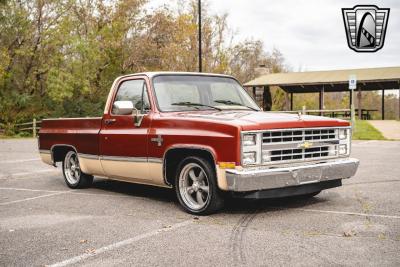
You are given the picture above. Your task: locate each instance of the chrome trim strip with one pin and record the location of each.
(118, 158)
(44, 151)
(88, 156)
(155, 160)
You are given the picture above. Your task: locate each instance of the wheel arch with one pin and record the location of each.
(174, 155)
(59, 151)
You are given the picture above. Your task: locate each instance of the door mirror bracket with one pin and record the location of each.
(137, 117)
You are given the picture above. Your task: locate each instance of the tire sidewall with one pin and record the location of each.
(210, 173)
(76, 185)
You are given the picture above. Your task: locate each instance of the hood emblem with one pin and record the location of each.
(305, 145)
(299, 115)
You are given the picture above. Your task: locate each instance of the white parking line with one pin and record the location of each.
(26, 173)
(31, 198)
(120, 244)
(18, 160)
(76, 192)
(352, 213)
(30, 190)
(363, 142)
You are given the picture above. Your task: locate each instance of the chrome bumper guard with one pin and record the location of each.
(261, 178)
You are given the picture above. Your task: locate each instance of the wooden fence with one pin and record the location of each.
(32, 126)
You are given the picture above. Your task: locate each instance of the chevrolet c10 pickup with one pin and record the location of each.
(203, 136)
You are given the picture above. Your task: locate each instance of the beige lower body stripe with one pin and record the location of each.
(119, 244)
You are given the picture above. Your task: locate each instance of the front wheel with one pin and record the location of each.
(73, 175)
(196, 187)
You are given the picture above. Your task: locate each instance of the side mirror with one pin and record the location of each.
(123, 108)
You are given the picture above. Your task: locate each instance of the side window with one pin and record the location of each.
(132, 90)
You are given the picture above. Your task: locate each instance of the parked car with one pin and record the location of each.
(203, 136)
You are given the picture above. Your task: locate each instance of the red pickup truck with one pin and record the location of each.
(202, 135)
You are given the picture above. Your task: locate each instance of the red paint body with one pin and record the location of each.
(217, 131)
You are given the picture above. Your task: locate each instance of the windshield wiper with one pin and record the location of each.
(189, 104)
(229, 102)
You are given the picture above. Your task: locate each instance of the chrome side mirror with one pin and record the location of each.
(127, 108)
(123, 107)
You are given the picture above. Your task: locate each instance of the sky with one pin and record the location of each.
(309, 33)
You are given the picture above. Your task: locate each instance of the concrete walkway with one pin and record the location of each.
(389, 128)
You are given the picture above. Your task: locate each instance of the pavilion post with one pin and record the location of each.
(359, 102)
(267, 99)
(321, 100)
(383, 104)
(254, 92)
(287, 100)
(399, 106)
(351, 98)
(291, 100)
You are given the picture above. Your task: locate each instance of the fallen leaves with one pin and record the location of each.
(349, 233)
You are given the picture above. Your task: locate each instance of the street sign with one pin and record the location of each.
(352, 82)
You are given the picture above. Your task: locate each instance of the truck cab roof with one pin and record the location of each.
(151, 74)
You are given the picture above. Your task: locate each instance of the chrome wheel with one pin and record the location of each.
(72, 170)
(194, 186)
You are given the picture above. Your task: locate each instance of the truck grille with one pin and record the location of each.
(282, 146)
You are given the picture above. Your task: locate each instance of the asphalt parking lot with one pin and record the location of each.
(42, 222)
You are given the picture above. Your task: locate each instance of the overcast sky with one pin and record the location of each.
(309, 33)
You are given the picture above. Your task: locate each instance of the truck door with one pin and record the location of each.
(123, 145)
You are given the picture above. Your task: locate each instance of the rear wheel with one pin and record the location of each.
(196, 187)
(73, 175)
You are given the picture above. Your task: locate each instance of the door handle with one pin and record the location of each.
(109, 121)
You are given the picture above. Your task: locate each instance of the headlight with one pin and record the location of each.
(342, 149)
(249, 139)
(249, 158)
(342, 134)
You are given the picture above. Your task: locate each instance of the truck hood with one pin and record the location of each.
(252, 120)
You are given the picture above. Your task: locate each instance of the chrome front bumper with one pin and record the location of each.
(261, 178)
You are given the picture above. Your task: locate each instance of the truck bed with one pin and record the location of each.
(81, 133)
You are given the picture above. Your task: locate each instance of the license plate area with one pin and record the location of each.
(312, 175)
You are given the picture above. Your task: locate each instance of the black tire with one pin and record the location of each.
(78, 179)
(214, 200)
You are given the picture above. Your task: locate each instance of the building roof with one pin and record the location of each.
(332, 80)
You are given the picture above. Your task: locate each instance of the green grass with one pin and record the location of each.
(365, 131)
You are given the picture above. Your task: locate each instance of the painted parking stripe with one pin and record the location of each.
(18, 160)
(363, 142)
(68, 191)
(30, 190)
(119, 244)
(31, 198)
(352, 213)
(26, 173)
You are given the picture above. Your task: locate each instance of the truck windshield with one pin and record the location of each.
(196, 92)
